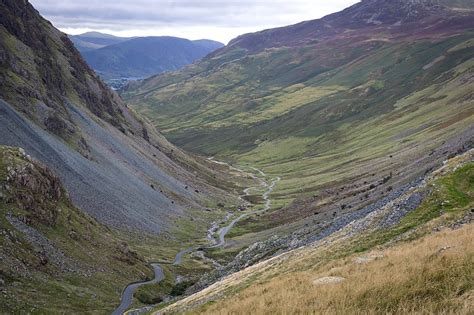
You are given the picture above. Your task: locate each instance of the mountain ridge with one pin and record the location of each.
(365, 13)
(146, 56)
(94, 40)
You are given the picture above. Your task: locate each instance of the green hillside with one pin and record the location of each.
(334, 108)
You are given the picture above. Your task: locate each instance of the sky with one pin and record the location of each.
(192, 19)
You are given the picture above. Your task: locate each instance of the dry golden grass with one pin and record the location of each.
(432, 275)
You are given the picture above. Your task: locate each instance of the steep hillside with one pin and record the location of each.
(146, 56)
(116, 167)
(364, 96)
(457, 4)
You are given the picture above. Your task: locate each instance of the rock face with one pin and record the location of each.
(35, 189)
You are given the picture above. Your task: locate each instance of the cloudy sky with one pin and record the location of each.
(193, 19)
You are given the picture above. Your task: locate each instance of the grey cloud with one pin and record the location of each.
(145, 14)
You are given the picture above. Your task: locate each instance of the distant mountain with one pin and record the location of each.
(99, 35)
(143, 56)
(95, 40)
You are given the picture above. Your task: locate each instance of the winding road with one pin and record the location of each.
(127, 294)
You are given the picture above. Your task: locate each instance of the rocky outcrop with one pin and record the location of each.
(125, 254)
(46, 252)
(32, 187)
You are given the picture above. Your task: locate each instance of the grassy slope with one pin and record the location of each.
(331, 117)
(367, 110)
(419, 265)
(411, 278)
(314, 117)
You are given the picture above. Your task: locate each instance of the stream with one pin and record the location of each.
(127, 294)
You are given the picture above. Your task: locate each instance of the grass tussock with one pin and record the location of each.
(434, 274)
